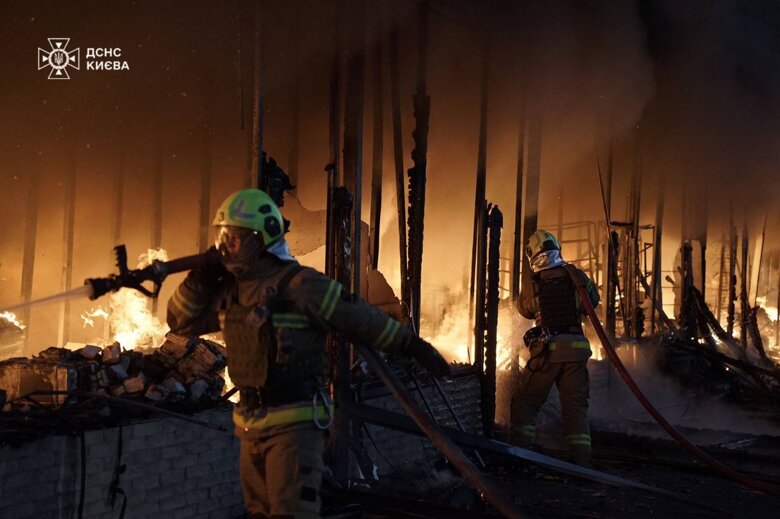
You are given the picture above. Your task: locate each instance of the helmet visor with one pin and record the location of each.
(237, 245)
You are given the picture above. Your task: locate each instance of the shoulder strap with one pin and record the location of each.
(282, 304)
(288, 277)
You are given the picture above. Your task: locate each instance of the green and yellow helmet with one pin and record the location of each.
(541, 241)
(252, 209)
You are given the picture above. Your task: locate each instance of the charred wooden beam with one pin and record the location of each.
(721, 271)
(258, 108)
(353, 130)
(418, 172)
(732, 294)
(334, 143)
(377, 150)
(340, 354)
(348, 214)
(480, 283)
(30, 235)
(687, 317)
(68, 224)
(743, 293)
(657, 243)
(517, 247)
(495, 223)
(157, 197)
(398, 155)
(481, 178)
(777, 305)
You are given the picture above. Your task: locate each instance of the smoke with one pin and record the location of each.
(714, 121)
(700, 80)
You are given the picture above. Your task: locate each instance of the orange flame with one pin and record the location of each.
(130, 319)
(11, 318)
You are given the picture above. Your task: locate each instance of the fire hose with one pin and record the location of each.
(446, 446)
(698, 453)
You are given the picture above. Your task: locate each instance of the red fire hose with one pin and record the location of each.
(715, 465)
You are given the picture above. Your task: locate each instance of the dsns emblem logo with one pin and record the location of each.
(58, 58)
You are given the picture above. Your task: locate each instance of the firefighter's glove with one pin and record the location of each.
(427, 355)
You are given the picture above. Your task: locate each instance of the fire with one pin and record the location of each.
(90, 315)
(771, 311)
(452, 337)
(11, 319)
(130, 319)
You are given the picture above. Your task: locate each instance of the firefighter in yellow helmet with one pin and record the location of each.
(559, 350)
(274, 315)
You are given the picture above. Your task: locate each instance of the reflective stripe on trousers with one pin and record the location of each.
(281, 415)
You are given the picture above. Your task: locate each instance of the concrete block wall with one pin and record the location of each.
(173, 469)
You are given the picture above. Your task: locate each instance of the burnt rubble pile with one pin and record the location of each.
(181, 369)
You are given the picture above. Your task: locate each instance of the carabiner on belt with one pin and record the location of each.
(321, 396)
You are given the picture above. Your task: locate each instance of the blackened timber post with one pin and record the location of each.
(495, 224)
(481, 179)
(339, 353)
(702, 221)
(377, 150)
(258, 109)
(68, 223)
(398, 155)
(334, 143)
(353, 131)
(777, 305)
(480, 292)
(611, 277)
(732, 271)
(157, 203)
(417, 173)
(721, 271)
(30, 236)
(657, 292)
(743, 293)
(350, 270)
(517, 248)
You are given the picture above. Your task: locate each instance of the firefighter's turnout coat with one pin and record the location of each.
(559, 352)
(274, 319)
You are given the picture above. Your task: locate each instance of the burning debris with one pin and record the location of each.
(11, 333)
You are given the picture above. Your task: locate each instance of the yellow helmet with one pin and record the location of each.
(541, 241)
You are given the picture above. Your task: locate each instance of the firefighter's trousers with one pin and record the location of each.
(572, 381)
(281, 474)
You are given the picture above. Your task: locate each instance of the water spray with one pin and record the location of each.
(155, 273)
